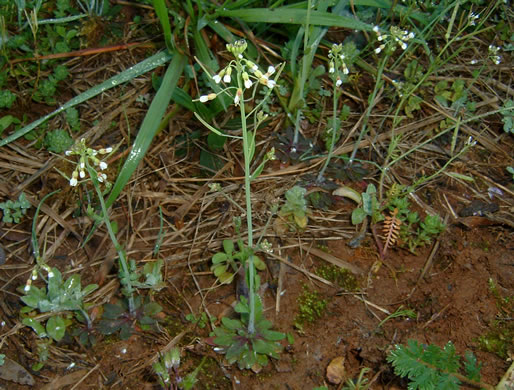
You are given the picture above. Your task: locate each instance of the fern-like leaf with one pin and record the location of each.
(391, 230)
(472, 367)
(427, 367)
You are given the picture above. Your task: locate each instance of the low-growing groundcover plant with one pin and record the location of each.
(13, 211)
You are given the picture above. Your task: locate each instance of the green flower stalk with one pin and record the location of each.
(340, 59)
(388, 45)
(89, 162)
(248, 76)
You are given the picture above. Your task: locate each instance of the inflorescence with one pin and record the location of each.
(87, 155)
(251, 74)
(396, 37)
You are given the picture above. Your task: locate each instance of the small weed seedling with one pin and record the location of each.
(59, 296)
(295, 211)
(400, 226)
(432, 367)
(168, 371)
(13, 211)
(58, 141)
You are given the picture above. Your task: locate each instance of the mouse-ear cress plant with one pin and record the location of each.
(248, 341)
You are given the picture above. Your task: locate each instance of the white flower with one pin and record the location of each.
(217, 79)
(248, 83)
(403, 45)
(331, 70)
(105, 150)
(103, 165)
(271, 84)
(67, 153)
(237, 98)
(376, 29)
(411, 35)
(204, 98)
(339, 82)
(227, 77)
(51, 274)
(345, 69)
(473, 62)
(271, 70)
(82, 174)
(26, 288)
(73, 182)
(102, 177)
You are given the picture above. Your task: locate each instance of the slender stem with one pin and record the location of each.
(334, 133)
(121, 254)
(378, 84)
(303, 75)
(247, 159)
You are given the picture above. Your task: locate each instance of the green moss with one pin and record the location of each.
(310, 308)
(339, 276)
(499, 340)
(210, 376)
(500, 337)
(173, 325)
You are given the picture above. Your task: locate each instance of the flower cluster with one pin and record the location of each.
(396, 37)
(34, 274)
(340, 59)
(87, 155)
(472, 17)
(249, 72)
(493, 54)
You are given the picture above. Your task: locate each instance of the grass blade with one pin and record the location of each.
(295, 16)
(132, 72)
(149, 126)
(162, 13)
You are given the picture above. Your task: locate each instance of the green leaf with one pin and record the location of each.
(56, 327)
(89, 289)
(273, 335)
(295, 16)
(228, 246)
(232, 324)
(149, 126)
(358, 216)
(162, 13)
(219, 269)
(219, 257)
(152, 308)
(36, 325)
(72, 284)
(226, 278)
(258, 263)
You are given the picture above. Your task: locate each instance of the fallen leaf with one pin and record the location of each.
(66, 380)
(12, 371)
(336, 372)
